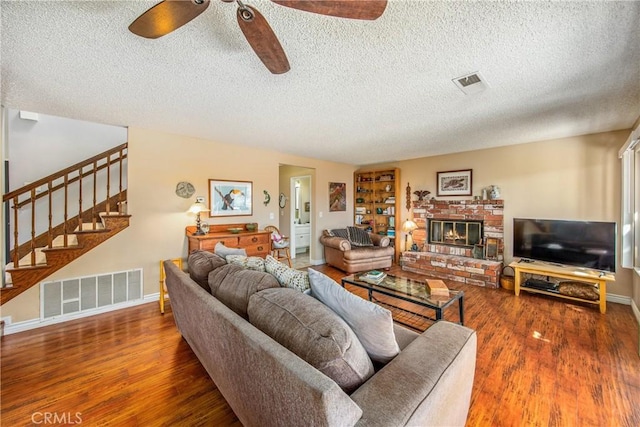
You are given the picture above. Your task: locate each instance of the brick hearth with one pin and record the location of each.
(477, 272)
(451, 262)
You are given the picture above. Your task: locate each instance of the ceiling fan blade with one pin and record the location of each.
(262, 39)
(167, 16)
(354, 9)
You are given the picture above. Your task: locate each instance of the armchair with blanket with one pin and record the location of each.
(352, 249)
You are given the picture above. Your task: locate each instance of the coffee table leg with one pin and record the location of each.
(461, 305)
(438, 314)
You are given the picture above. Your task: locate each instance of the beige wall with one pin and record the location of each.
(570, 178)
(574, 178)
(157, 162)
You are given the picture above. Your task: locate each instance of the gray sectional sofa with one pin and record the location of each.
(267, 383)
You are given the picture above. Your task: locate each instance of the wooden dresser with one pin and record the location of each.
(256, 243)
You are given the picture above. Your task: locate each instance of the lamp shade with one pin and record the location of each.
(198, 207)
(409, 226)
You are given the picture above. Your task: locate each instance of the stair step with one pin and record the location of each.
(58, 242)
(41, 258)
(25, 261)
(112, 213)
(88, 226)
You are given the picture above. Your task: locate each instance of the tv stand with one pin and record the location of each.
(585, 275)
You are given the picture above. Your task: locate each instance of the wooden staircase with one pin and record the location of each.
(40, 256)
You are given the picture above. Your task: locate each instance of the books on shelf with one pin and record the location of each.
(437, 288)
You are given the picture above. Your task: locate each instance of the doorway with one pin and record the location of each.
(300, 215)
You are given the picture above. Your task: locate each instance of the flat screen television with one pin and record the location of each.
(576, 243)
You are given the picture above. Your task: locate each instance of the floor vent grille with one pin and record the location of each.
(68, 297)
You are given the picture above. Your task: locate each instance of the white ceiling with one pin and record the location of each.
(359, 92)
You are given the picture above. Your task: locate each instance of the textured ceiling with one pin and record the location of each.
(360, 92)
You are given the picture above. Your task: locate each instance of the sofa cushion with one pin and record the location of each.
(313, 332)
(223, 251)
(358, 237)
(249, 262)
(372, 324)
(286, 276)
(233, 285)
(200, 264)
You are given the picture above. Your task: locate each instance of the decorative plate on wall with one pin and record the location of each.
(185, 189)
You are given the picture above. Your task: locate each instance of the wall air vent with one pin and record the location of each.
(471, 83)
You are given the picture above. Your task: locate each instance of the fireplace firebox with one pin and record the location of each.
(455, 233)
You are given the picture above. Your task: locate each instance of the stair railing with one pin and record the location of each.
(71, 178)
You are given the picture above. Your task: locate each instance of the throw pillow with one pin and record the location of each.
(223, 251)
(200, 264)
(372, 324)
(313, 332)
(251, 263)
(339, 232)
(233, 285)
(358, 237)
(287, 277)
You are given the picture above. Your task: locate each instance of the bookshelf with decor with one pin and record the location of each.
(377, 203)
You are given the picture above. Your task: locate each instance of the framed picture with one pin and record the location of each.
(454, 183)
(337, 196)
(230, 198)
(307, 206)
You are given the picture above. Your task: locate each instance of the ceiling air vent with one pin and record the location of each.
(471, 83)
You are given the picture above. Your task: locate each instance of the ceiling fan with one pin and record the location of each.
(169, 15)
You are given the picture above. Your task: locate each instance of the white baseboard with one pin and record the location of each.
(619, 299)
(636, 312)
(13, 328)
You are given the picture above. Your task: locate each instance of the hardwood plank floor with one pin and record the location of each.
(541, 362)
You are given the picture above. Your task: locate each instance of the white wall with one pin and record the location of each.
(36, 149)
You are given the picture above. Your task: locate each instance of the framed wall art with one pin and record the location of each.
(230, 198)
(337, 196)
(454, 183)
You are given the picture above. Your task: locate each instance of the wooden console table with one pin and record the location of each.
(584, 275)
(256, 243)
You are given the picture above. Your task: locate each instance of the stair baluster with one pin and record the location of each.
(33, 226)
(80, 197)
(66, 213)
(108, 183)
(50, 228)
(95, 179)
(16, 254)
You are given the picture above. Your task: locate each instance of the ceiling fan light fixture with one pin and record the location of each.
(169, 15)
(245, 12)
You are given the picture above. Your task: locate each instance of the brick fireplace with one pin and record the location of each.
(455, 227)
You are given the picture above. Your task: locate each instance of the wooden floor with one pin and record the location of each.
(541, 362)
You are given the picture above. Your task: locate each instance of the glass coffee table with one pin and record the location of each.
(409, 290)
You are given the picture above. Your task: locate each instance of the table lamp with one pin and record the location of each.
(408, 228)
(196, 208)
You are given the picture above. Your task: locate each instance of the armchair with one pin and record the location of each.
(342, 254)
